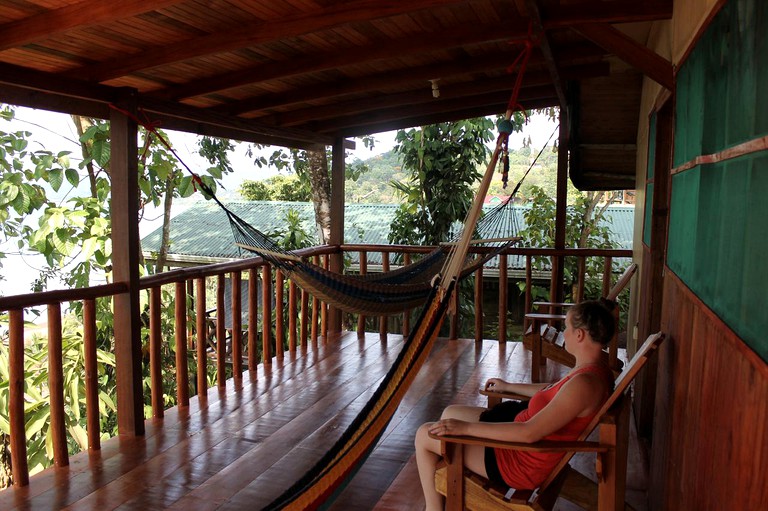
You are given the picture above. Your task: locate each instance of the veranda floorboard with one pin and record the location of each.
(240, 446)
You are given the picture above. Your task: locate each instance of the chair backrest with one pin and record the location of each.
(623, 381)
(620, 284)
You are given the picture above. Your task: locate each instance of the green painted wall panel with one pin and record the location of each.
(718, 231)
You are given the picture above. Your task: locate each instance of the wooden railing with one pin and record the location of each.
(249, 345)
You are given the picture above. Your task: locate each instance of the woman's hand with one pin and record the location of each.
(454, 427)
(496, 385)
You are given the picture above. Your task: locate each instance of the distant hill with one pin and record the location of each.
(373, 186)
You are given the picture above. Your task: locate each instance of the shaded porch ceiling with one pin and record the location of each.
(304, 72)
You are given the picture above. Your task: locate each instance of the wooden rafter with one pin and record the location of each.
(567, 15)
(78, 15)
(432, 108)
(253, 34)
(445, 116)
(411, 45)
(538, 28)
(451, 91)
(627, 49)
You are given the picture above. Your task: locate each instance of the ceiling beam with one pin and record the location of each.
(429, 108)
(630, 51)
(253, 34)
(564, 15)
(541, 34)
(82, 14)
(447, 116)
(449, 91)
(411, 45)
(376, 82)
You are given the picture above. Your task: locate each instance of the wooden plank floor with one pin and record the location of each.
(239, 448)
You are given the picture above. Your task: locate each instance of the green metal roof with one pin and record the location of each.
(202, 233)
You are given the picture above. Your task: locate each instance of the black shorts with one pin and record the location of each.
(506, 411)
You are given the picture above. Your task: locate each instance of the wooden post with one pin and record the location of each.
(315, 307)
(407, 313)
(124, 215)
(363, 271)
(56, 387)
(607, 270)
(612, 483)
(155, 357)
(18, 442)
(454, 456)
(279, 307)
(182, 371)
(292, 312)
(453, 333)
(528, 293)
(479, 304)
(266, 310)
(91, 375)
(304, 318)
(383, 319)
(503, 297)
(237, 326)
(221, 334)
(202, 339)
(338, 177)
(582, 270)
(253, 328)
(561, 205)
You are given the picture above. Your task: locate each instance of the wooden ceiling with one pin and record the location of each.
(303, 72)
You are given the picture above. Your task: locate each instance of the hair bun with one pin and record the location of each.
(608, 304)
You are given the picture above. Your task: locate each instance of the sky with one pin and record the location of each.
(56, 132)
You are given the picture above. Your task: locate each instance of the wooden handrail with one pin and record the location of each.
(193, 280)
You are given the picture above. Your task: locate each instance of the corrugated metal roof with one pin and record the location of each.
(202, 231)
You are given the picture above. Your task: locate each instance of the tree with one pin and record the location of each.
(276, 188)
(583, 230)
(442, 165)
(311, 168)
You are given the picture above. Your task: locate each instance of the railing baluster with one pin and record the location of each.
(528, 284)
(407, 313)
(304, 318)
(253, 329)
(503, 297)
(182, 371)
(266, 310)
(479, 304)
(237, 326)
(363, 258)
(56, 386)
(221, 333)
(18, 442)
(607, 274)
(292, 305)
(581, 275)
(155, 358)
(315, 308)
(202, 338)
(91, 375)
(454, 330)
(383, 319)
(324, 306)
(279, 306)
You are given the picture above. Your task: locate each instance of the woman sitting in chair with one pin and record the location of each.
(557, 411)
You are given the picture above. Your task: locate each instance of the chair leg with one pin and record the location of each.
(454, 457)
(612, 482)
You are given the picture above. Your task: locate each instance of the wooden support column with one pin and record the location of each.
(562, 198)
(337, 224)
(124, 213)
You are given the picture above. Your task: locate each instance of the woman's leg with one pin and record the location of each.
(428, 454)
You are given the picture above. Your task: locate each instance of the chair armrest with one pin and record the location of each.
(503, 395)
(554, 304)
(541, 316)
(540, 446)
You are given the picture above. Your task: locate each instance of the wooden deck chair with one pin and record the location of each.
(546, 341)
(465, 490)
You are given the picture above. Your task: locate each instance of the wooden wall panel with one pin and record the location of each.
(710, 439)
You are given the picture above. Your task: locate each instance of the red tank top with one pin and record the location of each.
(527, 470)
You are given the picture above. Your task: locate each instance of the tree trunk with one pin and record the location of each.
(81, 125)
(166, 237)
(321, 192)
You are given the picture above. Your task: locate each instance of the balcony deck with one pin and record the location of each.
(238, 449)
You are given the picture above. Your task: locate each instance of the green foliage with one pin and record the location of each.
(442, 164)
(583, 230)
(293, 236)
(37, 410)
(277, 188)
